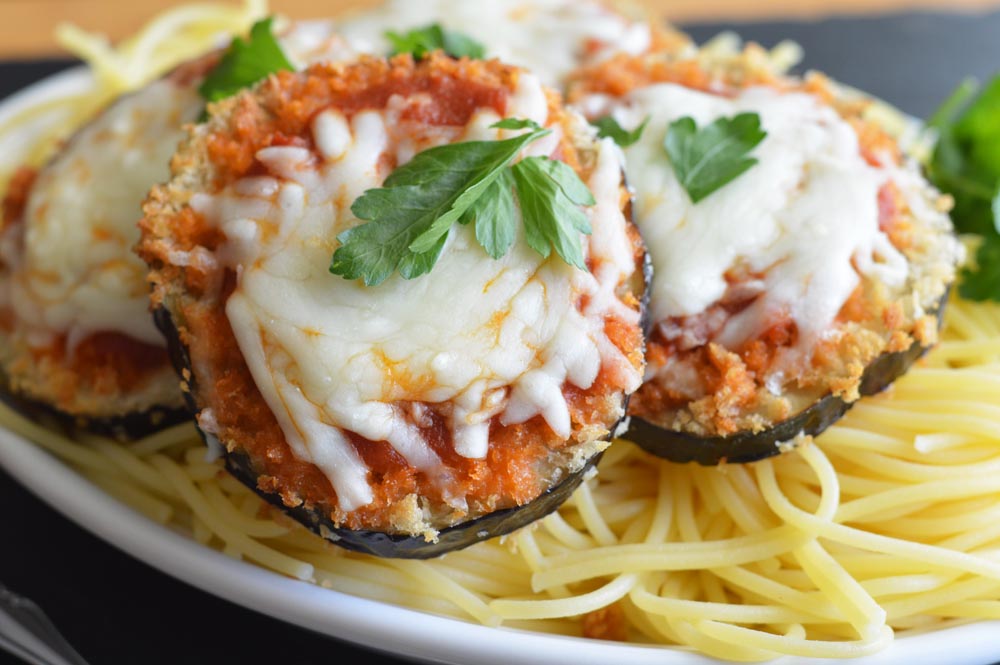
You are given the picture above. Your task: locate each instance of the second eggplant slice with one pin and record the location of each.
(816, 276)
(78, 348)
(417, 416)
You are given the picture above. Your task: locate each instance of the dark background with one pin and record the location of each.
(118, 611)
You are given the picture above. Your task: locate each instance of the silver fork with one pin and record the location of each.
(27, 633)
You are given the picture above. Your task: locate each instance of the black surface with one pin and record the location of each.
(911, 60)
(117, 611)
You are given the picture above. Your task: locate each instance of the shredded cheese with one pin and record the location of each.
(72, 269)
(805, 218)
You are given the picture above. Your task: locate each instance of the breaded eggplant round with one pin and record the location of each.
(77, 341)
(419, 415)
(814, 276)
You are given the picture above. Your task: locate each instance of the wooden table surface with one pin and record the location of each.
(26, 25)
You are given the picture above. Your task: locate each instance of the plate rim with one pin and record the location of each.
(368, 623)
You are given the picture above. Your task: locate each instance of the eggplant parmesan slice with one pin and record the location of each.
(77, 342)
(813, 278)
(416, 416)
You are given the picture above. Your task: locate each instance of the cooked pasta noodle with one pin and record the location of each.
(887, 522)
(171, 38)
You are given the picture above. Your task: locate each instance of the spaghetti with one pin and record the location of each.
(888, 522)
(171, 38)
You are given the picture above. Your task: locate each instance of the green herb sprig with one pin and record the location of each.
(966, 164)
(245, 63)
(607, 126)
(709, 158)
(472, 182)
(433, 37)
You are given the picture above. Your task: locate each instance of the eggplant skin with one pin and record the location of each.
(744, 447)
(451, 538)
(122, 428)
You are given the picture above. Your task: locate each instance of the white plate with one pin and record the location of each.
(387, 627)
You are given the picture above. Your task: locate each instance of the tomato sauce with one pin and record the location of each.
(458, 88)
(16, 196)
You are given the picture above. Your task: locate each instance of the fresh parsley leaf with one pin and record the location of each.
(567, 179)
(494, 216)
(245, 63)
(422, 41)
(709, 158)
(962, 163)
(470, 183)
(978, 129)
(481, 161)
(996, 211)
(373, 251)
(516, 123)
(411, 214)
(953, 105)
(459, 45)
(966, 165)
(552, 218)
(609, 127)
(983, 281)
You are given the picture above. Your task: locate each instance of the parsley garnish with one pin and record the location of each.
(245, 63)
(608, 126)
(549, 193)
(707, 159)
(982, 282)
(471, 182)
(966, 164)
(422, 41)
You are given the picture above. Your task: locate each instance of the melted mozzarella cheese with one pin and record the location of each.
(76, 273)
(805, 216)
(549, 37)
(485, 337)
